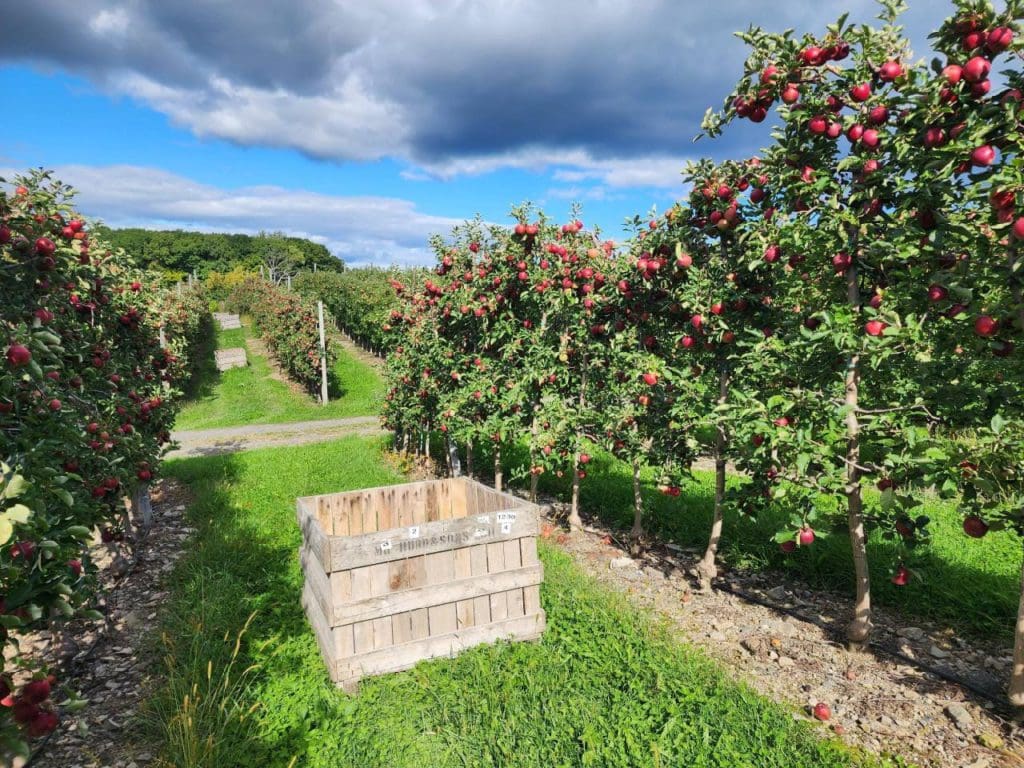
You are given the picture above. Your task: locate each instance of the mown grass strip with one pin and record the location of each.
(606, 686)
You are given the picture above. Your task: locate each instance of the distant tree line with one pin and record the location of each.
(178, 252)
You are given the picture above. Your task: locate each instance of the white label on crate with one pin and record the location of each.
(483, 519)
(506, 527)
(414, 532)
(480, 533)
(385, 546)
(506, 517)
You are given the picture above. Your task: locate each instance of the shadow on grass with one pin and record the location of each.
(204, 367)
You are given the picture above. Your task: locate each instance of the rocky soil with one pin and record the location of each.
(106, 661)
(884, 700)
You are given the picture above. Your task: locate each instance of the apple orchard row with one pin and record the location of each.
(95, 352)
(828, 316)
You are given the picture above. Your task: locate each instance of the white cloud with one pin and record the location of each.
(361, 229)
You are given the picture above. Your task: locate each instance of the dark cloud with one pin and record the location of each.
(450, 85)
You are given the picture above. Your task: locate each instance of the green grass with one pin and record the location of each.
(607, 686)
(972, 585)
(250, 396)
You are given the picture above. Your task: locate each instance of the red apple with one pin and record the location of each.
(976, 69)
(986, 326)
(901, 577)
(975, 527)
(983, 156)
(18, 355)
(822, 711)
(651, 379)
(806, 536)
(861, 92)
(875, 327)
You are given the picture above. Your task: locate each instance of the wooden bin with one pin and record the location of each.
(403, 573)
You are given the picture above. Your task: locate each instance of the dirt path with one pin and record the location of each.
(210, 442)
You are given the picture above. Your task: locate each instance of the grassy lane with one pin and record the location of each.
(605, 687)
(251, 396)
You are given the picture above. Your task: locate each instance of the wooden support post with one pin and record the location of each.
(142, 509)
(323, 351)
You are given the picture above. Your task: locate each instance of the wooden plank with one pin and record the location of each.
(363, 636)
(496, 564)
(341, 587)
(369, 511)
(322, 632)
(344, 641)
(402, 627)
(442, 619)
(516, 603)
(354, 514)
(470, 588)
(382, 633)
(478, 567)
(528, 550)
(458, 491)
(513, 554)
(531, 599)
(340, 516)
(323, 514)
(465, 614)
(312, 534)
(361, 589)
(317, 581)
(440, 567)
(356, 551)
(386, 510)
(409, 654)
(433, 510)
(420, 624)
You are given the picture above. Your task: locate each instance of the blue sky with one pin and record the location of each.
(371, 127)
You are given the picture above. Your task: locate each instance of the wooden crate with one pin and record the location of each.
(403, 573)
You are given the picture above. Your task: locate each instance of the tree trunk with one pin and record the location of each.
(707, 569)
(575, 521)
(859, 630)
(469, 457)
(638, 503)
(1016, 692)
(453, 459)
(497, 467)
(534, 477)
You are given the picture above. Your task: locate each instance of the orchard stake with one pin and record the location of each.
(323, 353)
(638, 503)
(575, 521)
(497, 467)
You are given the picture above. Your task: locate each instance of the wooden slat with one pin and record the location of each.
(316, 619)
(516, 603)
(467, 589)
(384, 546)
(363, 633)
(531, 600)
(402, 627)
(312, 534)
(513, 554)
(478, 567)
(442, 619)
(317, 582)
(409, 654)
(323, 515)
(369, 510)
(458, 491)
(382, 633)
(528, 550)
(496, 564)
(344, 641)
(354, 514)
(361, 589)
(465, 616)
(420, 624)
(386, 510)
(341, 587)
(440, 567)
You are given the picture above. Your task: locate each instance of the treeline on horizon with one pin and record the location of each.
(180, 252)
